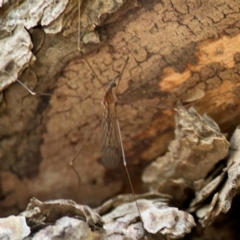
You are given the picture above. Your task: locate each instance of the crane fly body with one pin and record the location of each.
(109, 138)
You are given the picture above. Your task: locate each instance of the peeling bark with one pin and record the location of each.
(179, 53)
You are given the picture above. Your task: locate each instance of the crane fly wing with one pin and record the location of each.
(110, 145)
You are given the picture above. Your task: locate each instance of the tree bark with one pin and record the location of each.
(179, 53)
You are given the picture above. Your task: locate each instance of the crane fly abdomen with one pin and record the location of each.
(110, 143)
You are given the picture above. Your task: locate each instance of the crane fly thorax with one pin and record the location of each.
(109, 98)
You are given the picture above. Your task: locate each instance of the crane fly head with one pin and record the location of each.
(112, 83)
(109, 95)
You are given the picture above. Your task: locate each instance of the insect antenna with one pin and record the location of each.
(120, 76)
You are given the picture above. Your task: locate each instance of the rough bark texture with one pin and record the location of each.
(178, 53)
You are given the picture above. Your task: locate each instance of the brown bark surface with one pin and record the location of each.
(179, 53)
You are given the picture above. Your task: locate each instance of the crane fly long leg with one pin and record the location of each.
(128, 175)
(79, 25)
(79, 44)
(83, 143)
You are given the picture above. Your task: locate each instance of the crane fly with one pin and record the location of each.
(110, 135)
(110, 138)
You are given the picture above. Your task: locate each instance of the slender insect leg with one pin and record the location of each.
(83, 143)
(79, 25)
(125, 165)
